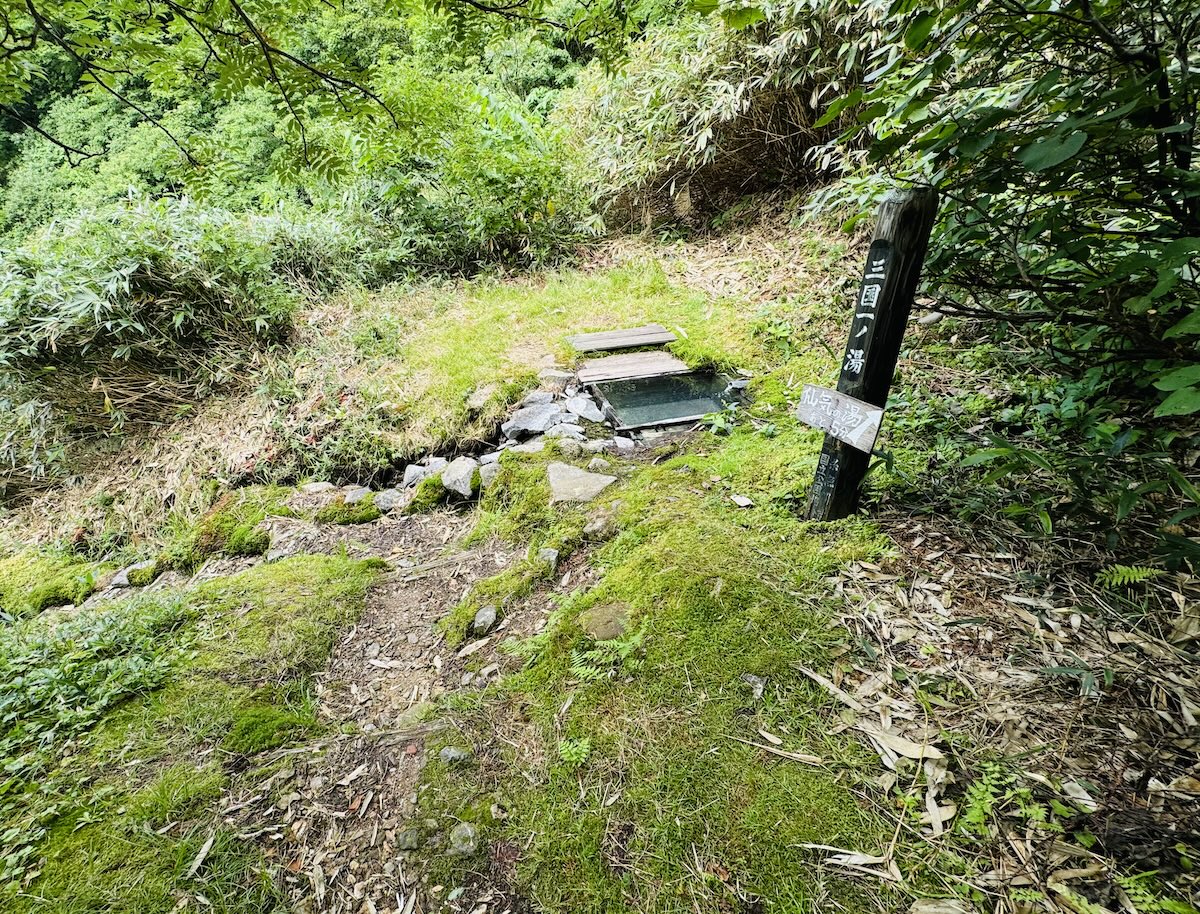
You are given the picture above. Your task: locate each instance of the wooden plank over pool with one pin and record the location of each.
(630, 365)
(649, 335)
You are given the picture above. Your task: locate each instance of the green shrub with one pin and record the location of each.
(703, 112)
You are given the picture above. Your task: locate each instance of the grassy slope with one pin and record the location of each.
(388, 376)
(667, 811)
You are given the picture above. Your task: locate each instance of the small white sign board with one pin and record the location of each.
(846, 418)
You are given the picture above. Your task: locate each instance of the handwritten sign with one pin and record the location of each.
(840, 415)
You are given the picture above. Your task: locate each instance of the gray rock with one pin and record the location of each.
(597, 445)
(388, 499)
(570, 447)
(585, 408)
(550, 557)
(315, 488)
(435, 463)
(459, 476)
(491, 457)
(565, 430)
(487, 474)
(121, 578)
(622, 443)
(485, 618)
(413, 474)
(605, 622)
(568, 483)
(409, 839)
(453, 755)
(463, 840)
(534, 446)
(354, 494)
(531, 420)
(538, 396)
(595, 465)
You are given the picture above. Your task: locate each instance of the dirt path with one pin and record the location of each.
(334, 814)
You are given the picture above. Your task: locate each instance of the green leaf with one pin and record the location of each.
(1180, 377)
(1051, 150)
(839, 105)
(1182, 402)
(742, 17)
(1188, 326)
(921, 26)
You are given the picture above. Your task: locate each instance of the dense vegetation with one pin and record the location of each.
(168, 199)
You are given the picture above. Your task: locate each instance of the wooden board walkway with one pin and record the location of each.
(631, 365)
(649, 335)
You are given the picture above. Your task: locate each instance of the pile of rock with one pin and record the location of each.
(558, 411)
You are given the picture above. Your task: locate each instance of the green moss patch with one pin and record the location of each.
(259, 728)
(339, 512)
(32, 581)
(430, 493)
(126, 699)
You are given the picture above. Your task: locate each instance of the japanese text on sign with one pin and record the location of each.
(874, 277)
(842, 416)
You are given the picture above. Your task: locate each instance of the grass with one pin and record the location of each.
(396, 372)
(235, 666)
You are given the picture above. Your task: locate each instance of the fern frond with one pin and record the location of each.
(1117, 576)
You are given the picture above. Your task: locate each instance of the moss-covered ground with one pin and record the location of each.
(142, 714)
(34, 580)
(644, 797)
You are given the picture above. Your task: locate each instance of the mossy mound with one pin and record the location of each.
(263, 727)
(430, 493)
(339, 512)
(231, 527)
(32, 581)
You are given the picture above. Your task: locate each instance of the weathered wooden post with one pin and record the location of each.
(885, 298)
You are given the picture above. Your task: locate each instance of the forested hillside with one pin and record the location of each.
(301, 609)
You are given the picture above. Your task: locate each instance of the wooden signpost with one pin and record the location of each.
(881, 310)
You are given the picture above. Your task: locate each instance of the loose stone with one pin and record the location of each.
(354, 494)
(565, 430)
(584, 407)
(568, 483)
(487, 474)
(463, 840)
(459, 476)
(388, 499)
(454, 755)
(485, 618)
